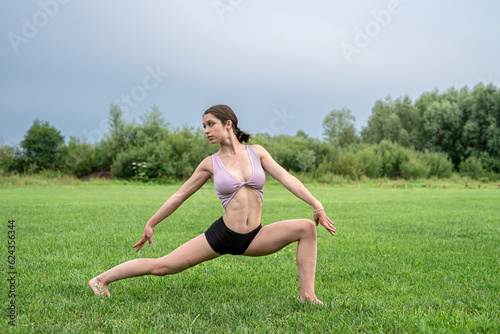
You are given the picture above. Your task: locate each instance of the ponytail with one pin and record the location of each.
(242, 136)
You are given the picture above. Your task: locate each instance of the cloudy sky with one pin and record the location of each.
(281, 65)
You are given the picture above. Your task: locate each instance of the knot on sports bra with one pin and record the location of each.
(227, 185)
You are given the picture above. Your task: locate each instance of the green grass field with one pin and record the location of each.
(414, 260)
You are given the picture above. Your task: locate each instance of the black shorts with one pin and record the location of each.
(224, 241)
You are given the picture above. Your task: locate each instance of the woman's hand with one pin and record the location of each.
(146, 236)
(320, 217)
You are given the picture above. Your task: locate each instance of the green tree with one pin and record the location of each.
(339, 128)
(153, 127)
(40, 145)
(394, 121)
(7, 156)
(408, 116)
(121, 137)
(77, 158)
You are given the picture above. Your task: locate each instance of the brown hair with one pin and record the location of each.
(225, 113)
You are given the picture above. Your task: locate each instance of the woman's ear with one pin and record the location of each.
(229, 124)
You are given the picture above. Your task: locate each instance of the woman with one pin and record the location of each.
(237, 171)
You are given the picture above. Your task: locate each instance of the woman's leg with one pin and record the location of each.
(190, 254)
(271, 238)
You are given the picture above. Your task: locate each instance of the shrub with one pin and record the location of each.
(348, 165)
(439, 164)
(77, 158)
(471, 167)
(393, 156)
(123, 166)
(306, 160)
(414, 168)
(490, 164)
(7, 157)
(370, 162)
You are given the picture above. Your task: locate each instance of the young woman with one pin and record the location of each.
(237, 171)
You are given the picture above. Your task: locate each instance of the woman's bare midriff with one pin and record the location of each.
(243, 212)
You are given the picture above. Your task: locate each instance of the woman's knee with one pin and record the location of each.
(308, 228)
(162, 267)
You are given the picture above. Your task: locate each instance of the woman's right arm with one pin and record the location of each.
(195, 182)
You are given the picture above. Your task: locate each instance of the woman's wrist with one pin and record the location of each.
(318, 207)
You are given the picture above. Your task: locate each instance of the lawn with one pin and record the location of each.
(414, 260)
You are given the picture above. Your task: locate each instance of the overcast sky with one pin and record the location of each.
(281, 65)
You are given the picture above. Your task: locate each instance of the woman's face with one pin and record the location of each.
(214, 130)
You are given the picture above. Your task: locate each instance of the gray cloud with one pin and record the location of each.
(257, 56)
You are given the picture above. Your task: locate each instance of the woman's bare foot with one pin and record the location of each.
(315, 301)
(98, 288)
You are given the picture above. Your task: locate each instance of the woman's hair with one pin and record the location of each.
(225, 113)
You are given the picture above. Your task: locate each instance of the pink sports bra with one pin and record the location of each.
(227, 185)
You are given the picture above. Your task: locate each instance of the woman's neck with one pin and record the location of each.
(230, 146)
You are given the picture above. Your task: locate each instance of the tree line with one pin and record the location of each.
(439, 134)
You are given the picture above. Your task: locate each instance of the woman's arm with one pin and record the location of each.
(295, 187)
(286, 179)
(195, 182)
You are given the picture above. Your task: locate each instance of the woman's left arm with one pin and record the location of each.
(296, 187)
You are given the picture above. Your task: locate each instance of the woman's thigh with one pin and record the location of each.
(193, 252)
(273, 237)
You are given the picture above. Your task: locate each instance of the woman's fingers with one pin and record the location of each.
(321, 218)
(328, 224)
(139, 245)
(147, 235)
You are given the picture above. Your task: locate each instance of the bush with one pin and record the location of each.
(414, 168)
(471, 167)
(7, 157)
(306, 160)
(370, 162)
(348, 165)
(77, 158)
(489, 163)
(439, 164)
(123, 166)
(174, 158)
(393, 156)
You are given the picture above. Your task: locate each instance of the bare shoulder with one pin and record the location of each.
(261, 151)
(206, 165)
(269, 164)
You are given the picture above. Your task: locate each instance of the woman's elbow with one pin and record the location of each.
(177, 199)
